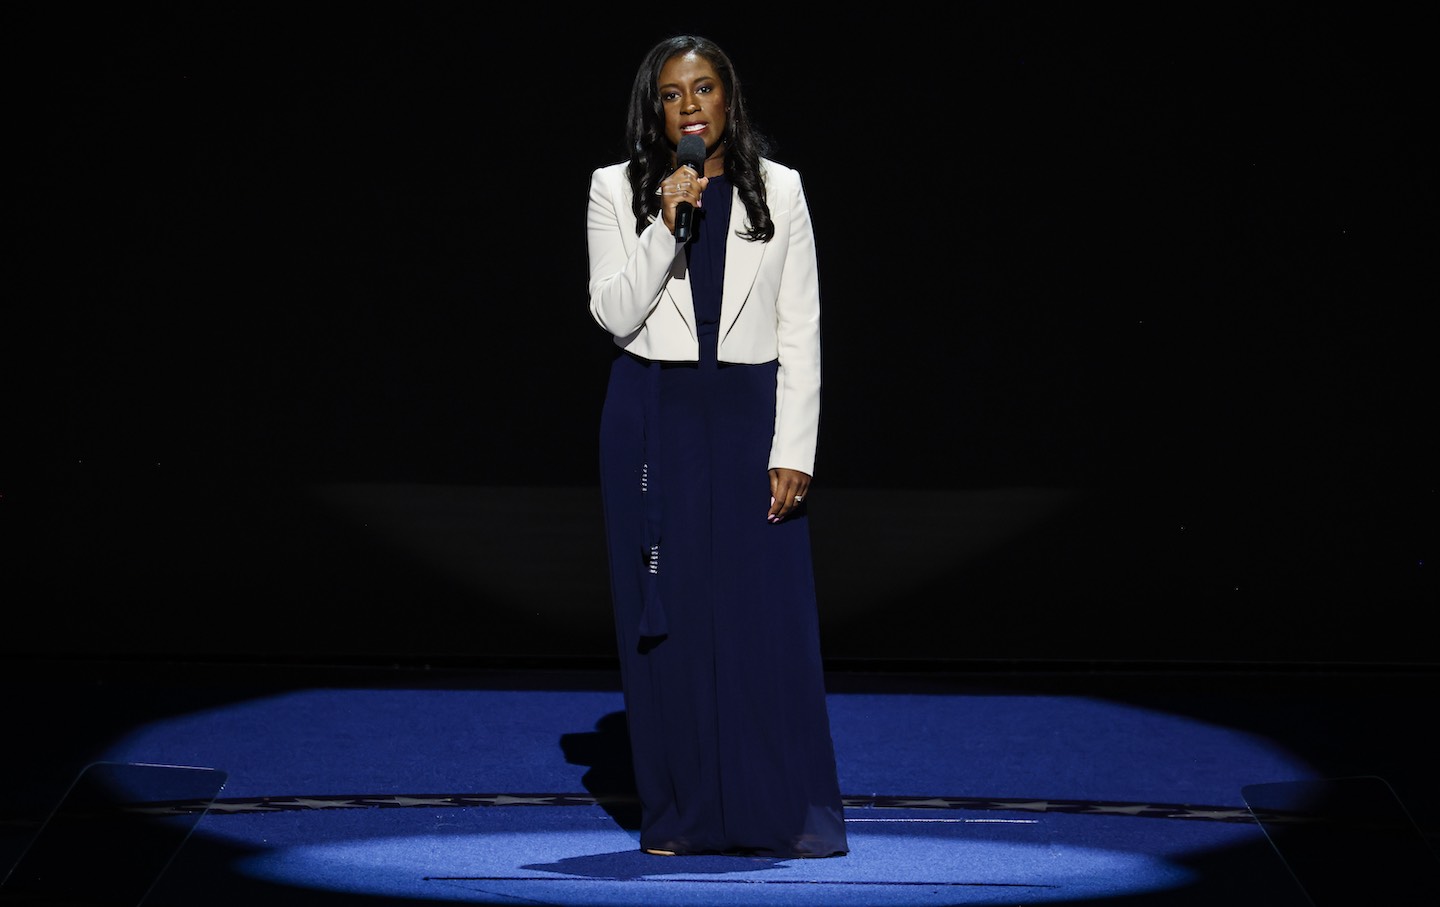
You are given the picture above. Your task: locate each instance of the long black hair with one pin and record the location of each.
(652, 154)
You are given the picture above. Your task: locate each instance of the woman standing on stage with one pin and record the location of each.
(707, 448)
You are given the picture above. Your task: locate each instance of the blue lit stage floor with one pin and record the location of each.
(361, 785)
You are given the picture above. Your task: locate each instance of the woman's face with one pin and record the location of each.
(694, 100)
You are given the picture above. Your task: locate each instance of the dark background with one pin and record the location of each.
(1127, 325)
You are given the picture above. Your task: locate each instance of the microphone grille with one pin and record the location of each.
(691, 151)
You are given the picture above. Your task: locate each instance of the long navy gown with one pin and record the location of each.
(715, 606)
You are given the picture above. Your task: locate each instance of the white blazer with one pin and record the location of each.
(770, 308)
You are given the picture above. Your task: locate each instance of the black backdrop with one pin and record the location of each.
(1177, 259)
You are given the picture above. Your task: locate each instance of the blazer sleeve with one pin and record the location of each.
(627, 272)
(797, 326)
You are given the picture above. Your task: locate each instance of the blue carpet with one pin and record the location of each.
(471, 795)
(956, 793)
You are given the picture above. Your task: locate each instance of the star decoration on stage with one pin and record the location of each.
(1144, 810)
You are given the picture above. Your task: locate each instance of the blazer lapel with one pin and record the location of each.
(742, 265)
(677, 289)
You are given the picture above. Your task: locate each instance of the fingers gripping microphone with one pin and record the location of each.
(690, 153)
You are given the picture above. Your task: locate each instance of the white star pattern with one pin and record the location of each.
(246, 806)
(1040, 806)
(506, 800)
(1120, 809)
(1223, 815)
(937, 802)
(316, 803)
(410, 801)
(425, 801)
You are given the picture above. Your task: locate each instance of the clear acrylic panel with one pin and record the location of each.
(113, 833)
(1347, 841)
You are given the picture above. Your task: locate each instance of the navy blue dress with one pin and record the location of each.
(715, 608)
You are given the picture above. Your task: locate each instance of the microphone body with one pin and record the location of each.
(690, 153)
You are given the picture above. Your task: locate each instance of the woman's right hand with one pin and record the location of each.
(684, 185)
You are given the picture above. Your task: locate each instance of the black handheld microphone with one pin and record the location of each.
(690, 153)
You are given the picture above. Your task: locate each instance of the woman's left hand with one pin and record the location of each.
(788, 488)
